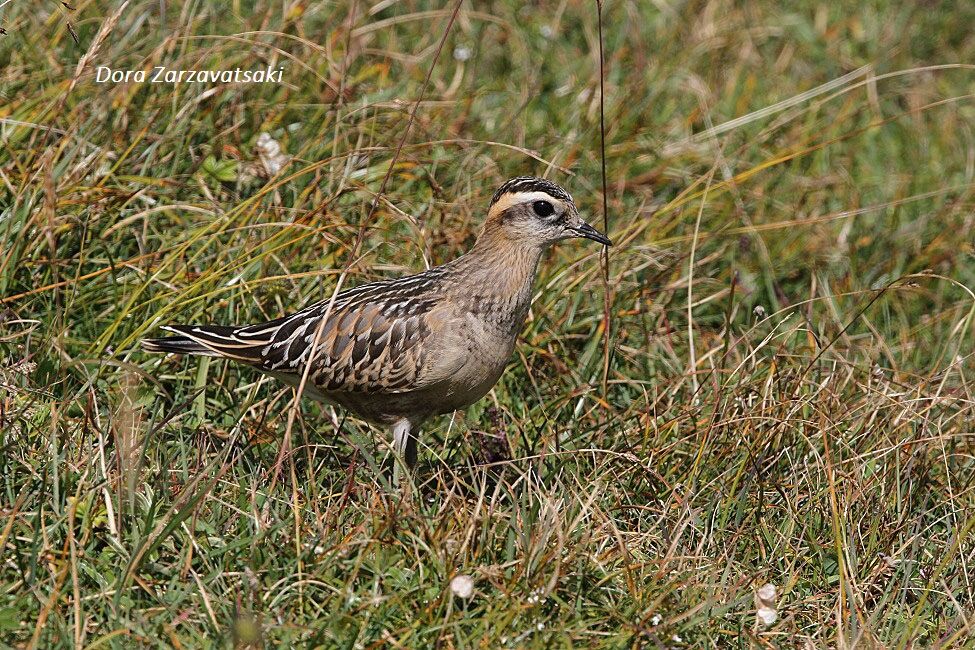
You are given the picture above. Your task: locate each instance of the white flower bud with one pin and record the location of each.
(462, 586)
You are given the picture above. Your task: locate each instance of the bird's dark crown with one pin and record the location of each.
(531, 184)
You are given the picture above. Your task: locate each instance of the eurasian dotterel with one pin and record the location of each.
(399, 351)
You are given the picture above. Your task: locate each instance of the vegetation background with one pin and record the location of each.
(788, 399)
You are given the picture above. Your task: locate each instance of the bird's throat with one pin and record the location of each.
(497, 282)
(504, 268)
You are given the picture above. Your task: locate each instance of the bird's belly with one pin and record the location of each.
(484, 360)
(460, 391)
(467, 386)
(463, 366)
(476, 368)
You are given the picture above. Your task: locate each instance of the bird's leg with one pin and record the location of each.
(404, 447)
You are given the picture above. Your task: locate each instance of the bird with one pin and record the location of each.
(399, 351)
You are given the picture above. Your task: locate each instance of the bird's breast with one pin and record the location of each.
(485, 338)
(502, 314)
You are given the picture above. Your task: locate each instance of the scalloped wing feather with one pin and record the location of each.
(371, 341)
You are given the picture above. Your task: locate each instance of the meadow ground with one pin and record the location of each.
(786, 398)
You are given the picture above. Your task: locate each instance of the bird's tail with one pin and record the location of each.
(176, 345)
(209, 340)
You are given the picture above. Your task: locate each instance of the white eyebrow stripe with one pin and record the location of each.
(517, 198)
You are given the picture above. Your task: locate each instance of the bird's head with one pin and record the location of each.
(538, 212)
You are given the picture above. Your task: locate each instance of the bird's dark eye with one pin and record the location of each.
(543, 208)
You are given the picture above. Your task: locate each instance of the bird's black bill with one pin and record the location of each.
(587, 231)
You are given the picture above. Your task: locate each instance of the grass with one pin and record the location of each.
(789, 396)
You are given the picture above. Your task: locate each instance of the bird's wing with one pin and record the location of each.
(370, 342)
(371, 345)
